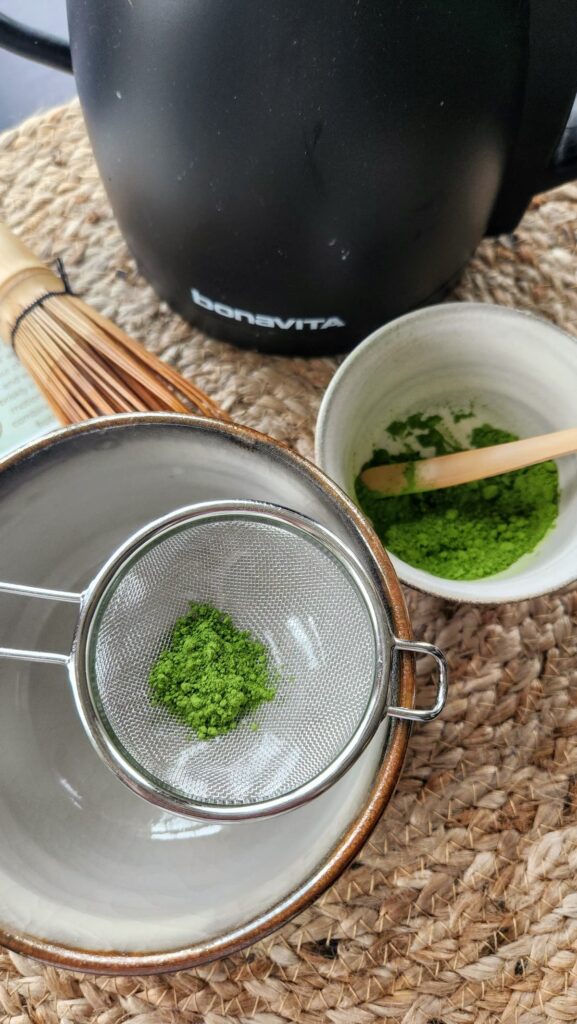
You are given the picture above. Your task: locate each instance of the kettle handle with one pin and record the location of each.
(563, 165)
(39, 46)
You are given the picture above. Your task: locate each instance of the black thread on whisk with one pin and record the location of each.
(66, 290)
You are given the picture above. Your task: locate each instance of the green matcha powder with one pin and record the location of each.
(464, 532)
(211, 674)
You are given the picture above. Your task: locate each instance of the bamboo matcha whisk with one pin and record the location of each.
(84, 364)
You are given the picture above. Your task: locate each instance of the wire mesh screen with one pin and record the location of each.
(294, 595)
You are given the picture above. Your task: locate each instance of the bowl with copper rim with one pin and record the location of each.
(92, 877)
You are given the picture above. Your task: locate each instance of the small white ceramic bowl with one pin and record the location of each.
(519, 372)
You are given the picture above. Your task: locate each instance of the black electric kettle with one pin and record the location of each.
(290, 174)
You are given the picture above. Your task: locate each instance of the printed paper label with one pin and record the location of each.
(24, 412)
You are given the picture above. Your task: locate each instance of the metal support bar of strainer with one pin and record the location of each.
(296, 587)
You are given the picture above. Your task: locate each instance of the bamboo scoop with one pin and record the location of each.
(84, 364)
(464, 467)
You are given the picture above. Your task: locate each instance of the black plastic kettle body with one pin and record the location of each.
(290, 174)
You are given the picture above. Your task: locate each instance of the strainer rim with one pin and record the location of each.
(124, 767)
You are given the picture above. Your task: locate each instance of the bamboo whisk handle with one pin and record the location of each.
(23, 279)
(15, 257)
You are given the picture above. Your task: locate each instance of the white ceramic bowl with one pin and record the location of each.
(520, 373)
(91, 876)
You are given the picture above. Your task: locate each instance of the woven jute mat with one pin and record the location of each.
(463, 905)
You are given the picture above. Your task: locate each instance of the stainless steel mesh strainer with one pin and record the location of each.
(296, 587)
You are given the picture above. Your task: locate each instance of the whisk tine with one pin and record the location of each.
(140, 382)
(130, 361)
(67, 365)
(123, 351)
(142, 394)
(80, 356)
(165, 400)
(168, 373)
(84, 365)
(55, 367)
(56, 397)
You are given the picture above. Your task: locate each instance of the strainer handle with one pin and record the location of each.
(47, 595)
(423, 714)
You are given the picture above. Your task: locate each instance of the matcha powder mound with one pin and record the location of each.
(212, 673)
(463, 532)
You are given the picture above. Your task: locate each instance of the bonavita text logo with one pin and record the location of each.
(301, 323)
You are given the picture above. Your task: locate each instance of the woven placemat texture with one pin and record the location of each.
(463, 906)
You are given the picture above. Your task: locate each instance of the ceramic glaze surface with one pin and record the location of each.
(519, 373)
(83, 861)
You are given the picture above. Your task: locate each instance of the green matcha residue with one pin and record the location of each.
(464, 532)
(212, 673)
(462, 414)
